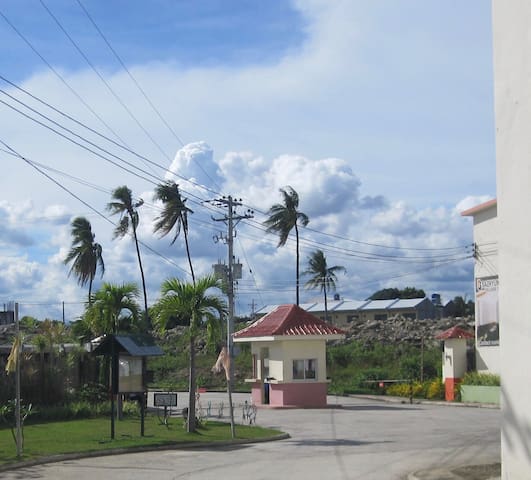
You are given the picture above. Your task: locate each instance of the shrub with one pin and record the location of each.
(435, 390)
(404, 389)
(483, 379)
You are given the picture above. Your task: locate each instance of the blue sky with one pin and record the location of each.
(380, 114)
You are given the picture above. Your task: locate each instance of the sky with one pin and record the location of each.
(378, 114)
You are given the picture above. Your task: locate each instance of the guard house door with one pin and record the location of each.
(264, 374)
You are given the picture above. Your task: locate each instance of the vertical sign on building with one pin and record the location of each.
(488, 329)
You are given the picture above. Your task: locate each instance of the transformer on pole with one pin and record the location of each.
(231, 271)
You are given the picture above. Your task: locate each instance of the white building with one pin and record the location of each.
(486, 234)
(512, 89)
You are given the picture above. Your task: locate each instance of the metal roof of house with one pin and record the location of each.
(408, 302)
(134, 345)
(288, 320)
(347, 305)
(379, 304)
(320, 306)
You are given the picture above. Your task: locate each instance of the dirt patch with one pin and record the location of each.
(479, 472)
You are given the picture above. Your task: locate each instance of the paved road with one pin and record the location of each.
(366, 439)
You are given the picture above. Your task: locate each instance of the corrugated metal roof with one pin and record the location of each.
(289, 320)
(134, 345)
(379, 304)
(408, 302)
(348, 305)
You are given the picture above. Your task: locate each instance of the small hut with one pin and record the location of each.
(288, 347)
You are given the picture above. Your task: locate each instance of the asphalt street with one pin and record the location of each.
(357, 438)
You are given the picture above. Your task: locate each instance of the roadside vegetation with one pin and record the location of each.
(43, 439)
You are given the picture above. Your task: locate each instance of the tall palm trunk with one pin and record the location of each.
(188, 255)
(143, 279)
(325, 301)
(191, 388)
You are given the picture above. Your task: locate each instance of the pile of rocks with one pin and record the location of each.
(400, 329)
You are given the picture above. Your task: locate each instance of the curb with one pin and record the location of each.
(421, 401)
(123, 451)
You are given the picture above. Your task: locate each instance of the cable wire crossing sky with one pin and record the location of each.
(378, 114)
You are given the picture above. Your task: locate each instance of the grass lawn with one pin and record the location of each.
(90, 435)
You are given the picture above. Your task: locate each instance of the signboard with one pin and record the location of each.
(130, 374)
(487, 331)
(165, 399)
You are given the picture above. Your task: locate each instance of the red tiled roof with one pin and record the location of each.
(454, 332)
(288, 320)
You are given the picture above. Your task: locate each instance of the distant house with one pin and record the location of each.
(7, 317)
(343, 312)
(288, 347)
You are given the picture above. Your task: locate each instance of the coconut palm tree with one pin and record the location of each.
(85, 254)
(174, 216)
(124, 205)
(105, 314)
(202, 309)
(284, 217)
(323, 277)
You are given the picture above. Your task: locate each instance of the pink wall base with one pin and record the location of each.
(450, 385)
(300, 394)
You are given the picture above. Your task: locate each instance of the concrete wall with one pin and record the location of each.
(486, 233)
(512, 68)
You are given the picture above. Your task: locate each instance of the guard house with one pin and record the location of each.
(288, 347)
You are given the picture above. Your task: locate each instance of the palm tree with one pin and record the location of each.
(323, 277)
(105, 314)
(85, 254)
(285, 217)
(202, 309)
(123, 205)
(174, 215)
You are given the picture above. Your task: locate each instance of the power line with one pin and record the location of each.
(104, 137)
(100, 76)
(30, 163)
(61, 78)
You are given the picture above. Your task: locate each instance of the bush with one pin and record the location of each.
(435, 390)
(483, 379)
(404, 390)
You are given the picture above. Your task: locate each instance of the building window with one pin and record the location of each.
(380, 316)
(305, 369)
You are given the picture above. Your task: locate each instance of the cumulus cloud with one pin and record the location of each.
(320, 119)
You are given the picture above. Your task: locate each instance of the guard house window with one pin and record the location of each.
(305, 369)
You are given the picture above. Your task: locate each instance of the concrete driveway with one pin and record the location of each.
(364, 439)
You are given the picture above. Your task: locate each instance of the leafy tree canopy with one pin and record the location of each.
(392, 293)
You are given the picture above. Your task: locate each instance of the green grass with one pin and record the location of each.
(92, 435)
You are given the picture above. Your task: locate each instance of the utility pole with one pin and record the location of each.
(231, 219)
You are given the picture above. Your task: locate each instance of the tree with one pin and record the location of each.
(462, 307)
(174, 216)
(392, 293)
(202, 309)
(85, 254)
(285, 217)
(123, 205)
(323, 277)
(105, 314)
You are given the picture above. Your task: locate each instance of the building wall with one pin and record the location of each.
(512, 74)
(300, 350)
(282, 354)
(486, 232)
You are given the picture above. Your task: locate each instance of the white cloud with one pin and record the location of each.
(337, 119)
